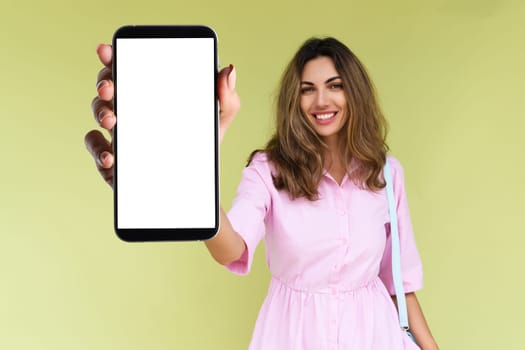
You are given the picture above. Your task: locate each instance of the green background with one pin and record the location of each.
(450, 78)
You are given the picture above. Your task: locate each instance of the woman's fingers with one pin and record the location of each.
(105, 89)
(105, 54)
(100, 148)
(102, 152)
(102, 107)
(103, 113)
(105, 76)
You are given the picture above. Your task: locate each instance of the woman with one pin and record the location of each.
(316, 195)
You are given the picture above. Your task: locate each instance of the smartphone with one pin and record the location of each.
(165, 141)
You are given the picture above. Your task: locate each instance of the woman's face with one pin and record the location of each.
(323, 100)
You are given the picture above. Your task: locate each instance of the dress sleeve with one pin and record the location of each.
(411, 266)
(248, 212)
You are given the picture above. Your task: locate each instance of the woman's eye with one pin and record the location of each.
(336, 86)
(306, 90)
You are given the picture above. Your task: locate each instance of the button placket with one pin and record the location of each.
(333, 312)
(341, 207)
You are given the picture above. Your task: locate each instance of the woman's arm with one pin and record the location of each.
(227, 245)
(418, 324)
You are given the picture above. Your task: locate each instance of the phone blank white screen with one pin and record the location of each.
(165, 133)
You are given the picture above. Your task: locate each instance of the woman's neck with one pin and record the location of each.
(333, 160)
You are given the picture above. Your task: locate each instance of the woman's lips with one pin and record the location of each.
(324, 117)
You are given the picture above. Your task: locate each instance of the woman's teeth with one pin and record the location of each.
(324, 116)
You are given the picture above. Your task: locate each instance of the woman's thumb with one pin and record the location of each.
(232, 77)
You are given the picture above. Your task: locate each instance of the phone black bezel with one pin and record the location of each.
(164, 234)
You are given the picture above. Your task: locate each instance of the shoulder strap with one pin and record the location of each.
(396, 258)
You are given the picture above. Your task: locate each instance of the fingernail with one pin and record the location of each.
(103, 157)
(232, 77)
(101, 84)
(104, 115)
(101, 116)
(99, 46)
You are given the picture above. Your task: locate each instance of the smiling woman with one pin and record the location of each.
(316, 195)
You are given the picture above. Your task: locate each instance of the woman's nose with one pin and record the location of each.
(321, 98)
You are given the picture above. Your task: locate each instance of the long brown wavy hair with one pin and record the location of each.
(297, 151)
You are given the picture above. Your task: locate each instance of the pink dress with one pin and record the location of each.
(329, 260)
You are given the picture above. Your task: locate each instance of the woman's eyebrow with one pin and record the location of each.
(332, 79)
(326, 82)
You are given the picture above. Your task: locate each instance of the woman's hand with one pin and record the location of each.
(102, 106)
(99, 147)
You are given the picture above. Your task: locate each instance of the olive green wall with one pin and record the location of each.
(450, 78)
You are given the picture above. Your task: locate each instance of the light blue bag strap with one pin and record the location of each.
(396, 250)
